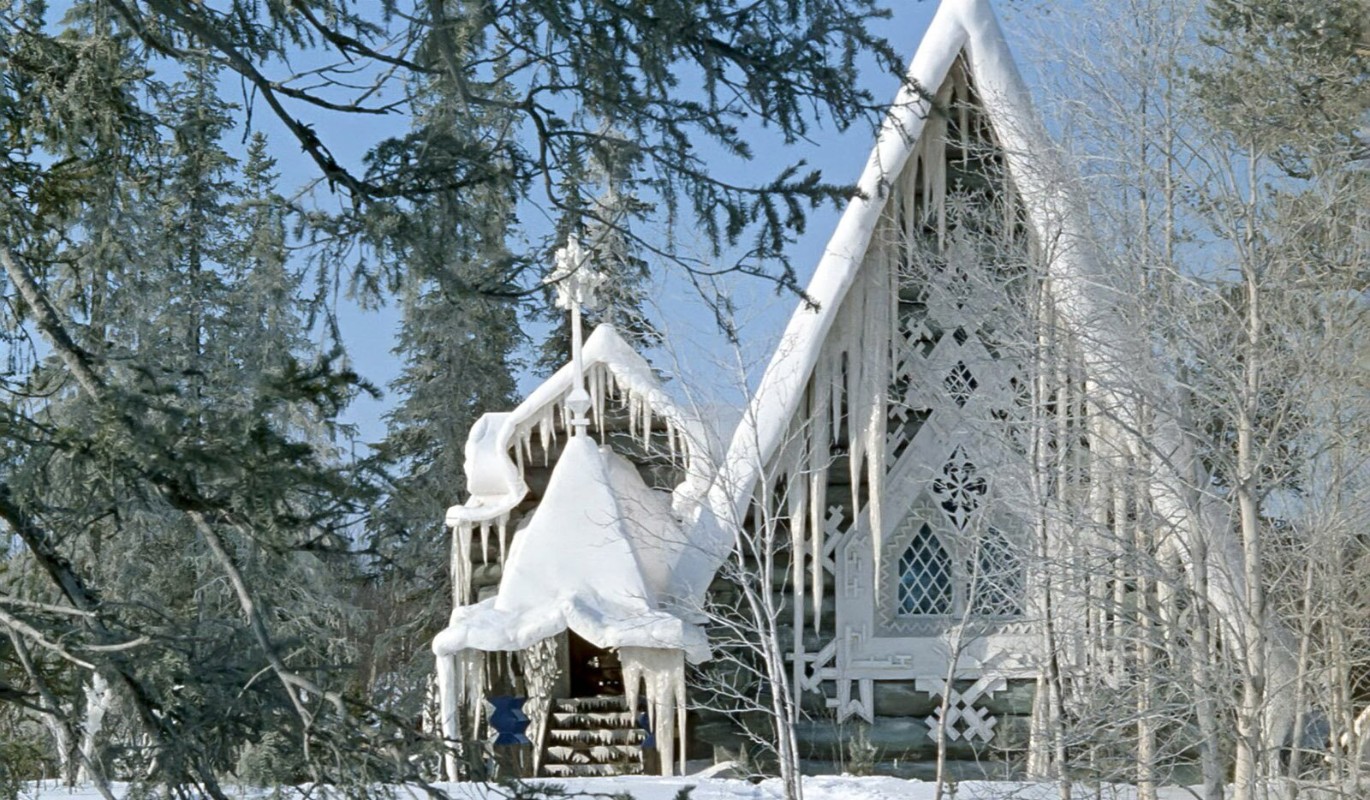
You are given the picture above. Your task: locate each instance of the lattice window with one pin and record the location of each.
(948, 558)
(925, 580)
(998, 579)
(960, 383)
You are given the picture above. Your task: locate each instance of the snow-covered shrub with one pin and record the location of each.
(861, 752)
(271, 762)
(21, 760)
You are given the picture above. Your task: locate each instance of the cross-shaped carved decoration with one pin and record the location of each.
(576, 283)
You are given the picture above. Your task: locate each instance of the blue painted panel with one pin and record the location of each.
(508, 720)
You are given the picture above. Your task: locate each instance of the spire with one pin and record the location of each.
(576, 283)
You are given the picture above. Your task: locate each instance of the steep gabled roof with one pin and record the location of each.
(965, 29)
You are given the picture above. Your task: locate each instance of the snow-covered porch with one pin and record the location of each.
(596, 557)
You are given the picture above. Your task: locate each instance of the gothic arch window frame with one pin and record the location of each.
(988, 530)
(875, 642)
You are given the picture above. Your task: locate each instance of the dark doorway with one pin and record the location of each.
(594, 671)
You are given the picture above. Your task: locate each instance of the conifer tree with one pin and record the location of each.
(458, 341)
(160, 479)
(174, 509)
(603, 201)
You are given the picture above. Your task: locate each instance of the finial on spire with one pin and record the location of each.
(576, 283)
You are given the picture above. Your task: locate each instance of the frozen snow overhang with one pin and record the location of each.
(584, 562)
(960, 28)
(500, 443)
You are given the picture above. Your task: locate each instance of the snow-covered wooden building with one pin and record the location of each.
(923, 408)
(894, 435)
(566, 560)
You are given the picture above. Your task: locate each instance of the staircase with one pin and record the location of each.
(593, 737)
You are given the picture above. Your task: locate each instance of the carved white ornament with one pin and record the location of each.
(576, 281)
(963, 719)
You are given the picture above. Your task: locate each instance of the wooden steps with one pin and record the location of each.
(593, 737)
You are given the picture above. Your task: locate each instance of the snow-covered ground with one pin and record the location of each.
(815, 788)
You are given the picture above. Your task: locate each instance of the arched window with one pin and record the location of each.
(996, 588)
(990, 579)
(925, 581)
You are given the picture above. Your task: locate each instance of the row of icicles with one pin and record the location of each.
(654, 674)
(603, 383)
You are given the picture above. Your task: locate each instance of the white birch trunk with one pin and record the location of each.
(99, 699)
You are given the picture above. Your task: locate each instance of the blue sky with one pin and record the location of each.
(696, 345)
(697, 348)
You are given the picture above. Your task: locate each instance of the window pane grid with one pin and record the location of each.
(990, 581)
(997, 590)
(925, 581)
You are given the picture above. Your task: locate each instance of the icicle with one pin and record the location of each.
(449, 702)
(933, 145)
(877, 343)
(820, 454)
(632, 682)
(485, 542)
(857, 401)
(545, 435)
(639, 415)
(540, 672)
(646, 424)
(961, 99)
(470, 680)
(461, 564)
(526, 443)
(663, 672)
(799, 511)
(503, 537)
(678, 683)
(926, 204)
(592, 386)
(875, 473)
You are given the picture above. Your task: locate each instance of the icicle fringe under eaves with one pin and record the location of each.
(541, 668)
(662, 671)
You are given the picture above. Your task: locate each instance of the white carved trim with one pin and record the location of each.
(963, 720)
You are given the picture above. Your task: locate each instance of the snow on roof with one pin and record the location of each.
(499, 442)
(960, 27)
(595, 558)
